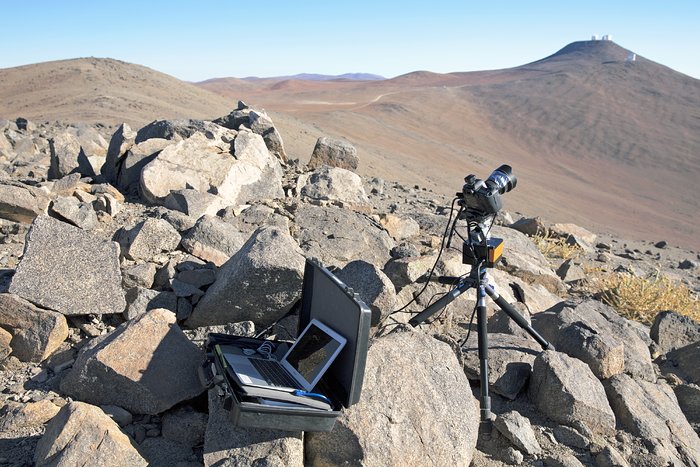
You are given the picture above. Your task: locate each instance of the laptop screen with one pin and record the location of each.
(314, 351)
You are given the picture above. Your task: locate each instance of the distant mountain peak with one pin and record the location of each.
(597, 50)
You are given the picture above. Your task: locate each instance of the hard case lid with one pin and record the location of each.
(329, 300)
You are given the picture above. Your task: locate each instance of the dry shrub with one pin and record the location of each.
(555, 247)
(642, 298)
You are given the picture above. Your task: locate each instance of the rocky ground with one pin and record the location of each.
(121, 249)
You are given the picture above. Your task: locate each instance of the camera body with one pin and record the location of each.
(482, 198)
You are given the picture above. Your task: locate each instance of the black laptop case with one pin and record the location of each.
(327, 299)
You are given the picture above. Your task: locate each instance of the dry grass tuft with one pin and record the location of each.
(642, 298)
(556, 248)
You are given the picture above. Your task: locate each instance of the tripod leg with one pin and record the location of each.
(517, 317)
(486, 422)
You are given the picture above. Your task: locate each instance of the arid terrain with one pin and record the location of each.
(593, 138)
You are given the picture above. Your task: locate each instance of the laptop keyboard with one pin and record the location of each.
(274, 373)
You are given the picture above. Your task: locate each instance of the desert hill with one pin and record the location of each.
(595, 138)
(101, 90)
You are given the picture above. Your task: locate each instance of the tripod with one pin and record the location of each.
(481, 257)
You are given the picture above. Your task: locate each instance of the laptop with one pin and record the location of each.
(301, 368)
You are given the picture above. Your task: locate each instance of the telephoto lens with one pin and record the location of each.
(503, 179)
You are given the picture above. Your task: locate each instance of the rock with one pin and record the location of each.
(21, 203)
(161, 452)
(531, 226)
(333, 153)
(535, 296)
(195, 203)
(522, 259)
(510, 362)
(259, 283)
(566, 391)
(405, 250)
(25, 125)
(335, 185)
(145, 365)
(212, 239)
(610, 457)
(36, 333)
(5, 339)
(687, 264)
(262, 125)
(650, 411)
(686, 361)
(149, 238)
(139, 275)
(69, 270)
(400, 228)
(67, 157)
(175, 130)
(688, 396)
(185, 426)
(374, 287)
(574, 235)
(432, 419)
(81, 434)
(209, 165)
(22, 416)
(518, 430)
(133, 162)
(119, 415)
(121, 141)
(571, 272)
(337, 236)
(672, 331)
(561, 459)
(227, 445)
(598, 332)
(197, 277)
(405, 271)
(71, 210)
(570, 437)
(140, 300)
(569, 333)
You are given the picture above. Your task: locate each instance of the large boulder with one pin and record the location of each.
(82, 434)
(337, 185)
(74, 211)
(566, 390)
(337, 236)
(416, 408)
(262, 125)
(133, 162)
(510, 362)
(237, 167)
(146, 366)
(195, 203)
(20, 202)
(227, 446)
(69, 270)
(36, 333)
(259, 283)
(374, 287)
(175, 130)
(596, 334)
(650, 411)
(399, 227)
(685, 360)
(213, 239)
(68, 157)
(334, 153)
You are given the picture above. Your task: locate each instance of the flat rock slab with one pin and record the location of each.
(82, 434)
(416, 408)
(146, 366)
(227, 445)
(36, 333)
(21, 203)
(69, 270)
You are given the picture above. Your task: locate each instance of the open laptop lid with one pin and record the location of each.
(312, 353)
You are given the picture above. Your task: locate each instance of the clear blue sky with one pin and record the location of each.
(199, 40)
